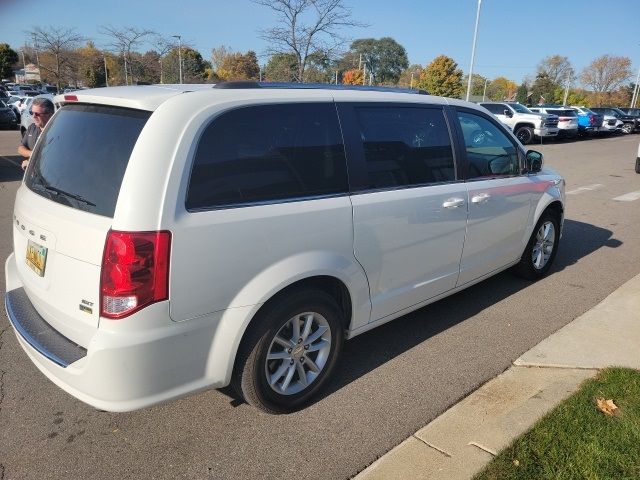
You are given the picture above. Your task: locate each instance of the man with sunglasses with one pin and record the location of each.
(41, 111)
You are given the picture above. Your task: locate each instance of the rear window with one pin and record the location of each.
(82, 155)
(563, 113)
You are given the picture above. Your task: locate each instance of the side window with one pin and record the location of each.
(405, 146)
(268, 153)
(490, 153)
(496, 109)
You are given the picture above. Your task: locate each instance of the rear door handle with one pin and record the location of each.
(481, 198)
(453, 202)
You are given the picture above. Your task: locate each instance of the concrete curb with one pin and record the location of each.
(461, 441)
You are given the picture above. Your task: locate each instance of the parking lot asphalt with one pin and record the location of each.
(391, 381)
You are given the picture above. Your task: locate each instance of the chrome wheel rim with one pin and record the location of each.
(544, 244)
(298, 353)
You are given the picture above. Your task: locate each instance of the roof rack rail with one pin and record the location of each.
(312, 86)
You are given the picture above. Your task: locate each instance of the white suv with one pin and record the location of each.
(171, 239)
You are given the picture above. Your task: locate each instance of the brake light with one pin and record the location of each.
(135, 271)
(70, 98)
(592, 119)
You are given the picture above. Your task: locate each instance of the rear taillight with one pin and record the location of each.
(592, 120)
(135, 271)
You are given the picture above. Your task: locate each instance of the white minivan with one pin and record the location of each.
(168, 239)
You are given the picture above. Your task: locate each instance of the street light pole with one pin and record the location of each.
(473, 50)
(636, 90)
(179, 37)
(106, 72)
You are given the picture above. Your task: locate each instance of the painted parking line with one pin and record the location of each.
(588, 188)
(628, 197)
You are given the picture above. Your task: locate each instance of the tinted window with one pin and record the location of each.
(519, 108)
(562, 113)
(496, 109)
(405, 146)
(490, 153)
(268, 152)
(82, 155)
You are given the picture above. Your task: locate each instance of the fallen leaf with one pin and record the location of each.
(516, 462)
(606, 406)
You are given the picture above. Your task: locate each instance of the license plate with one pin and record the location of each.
(36, 257)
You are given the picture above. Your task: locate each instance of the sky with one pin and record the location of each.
(513, 35)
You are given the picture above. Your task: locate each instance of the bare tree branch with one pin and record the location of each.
(124, 40)
(60, 44)
(305, 27)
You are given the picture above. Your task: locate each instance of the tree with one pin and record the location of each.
(477, 84)
(522, 94)
(501, 88)
(8, 58)
(558, 69)
(605, 74)
(91, 65)
(306, 26)
(442, 77)
(352, 77)
(281, 67)
(385, 58)
(58, 46)
(543, 89)
(410, 77)
(193, 66)
(124, 40)
(238, 66)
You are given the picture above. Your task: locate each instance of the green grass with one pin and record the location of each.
(576, 440)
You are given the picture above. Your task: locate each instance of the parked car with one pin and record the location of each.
(525, 124)
(168, 239)
(17, 104)
(26, 118)
(589, 122)
(7, 117)
(567, 119)
(611, 124)
(631, 111)
(631, 124)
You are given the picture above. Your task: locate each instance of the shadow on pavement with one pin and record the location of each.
(368, 351)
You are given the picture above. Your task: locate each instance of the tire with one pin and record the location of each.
(525, 135)
(638, 165)
(276, 385)
(627, 128)
(541, 249)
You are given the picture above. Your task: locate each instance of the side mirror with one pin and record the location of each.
(508, 112)
(534, 161)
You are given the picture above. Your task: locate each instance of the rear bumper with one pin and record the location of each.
(546, 132)
(128, 364)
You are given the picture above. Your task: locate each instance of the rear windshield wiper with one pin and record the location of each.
(57, 191)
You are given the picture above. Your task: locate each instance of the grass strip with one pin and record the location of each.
(578, 441)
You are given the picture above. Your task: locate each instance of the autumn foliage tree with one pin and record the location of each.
(605, 74)
(238, 66)
(352, 77)
(442, 77)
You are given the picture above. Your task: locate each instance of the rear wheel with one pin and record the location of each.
(290, 352)
(638, 165)
(541, 249)
(525, 135)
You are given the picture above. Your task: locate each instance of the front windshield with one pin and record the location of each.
(520, 108)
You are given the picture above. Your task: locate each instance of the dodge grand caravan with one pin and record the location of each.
(168, 239)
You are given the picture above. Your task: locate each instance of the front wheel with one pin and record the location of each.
(541, 249)
(525, 135)
(627, 128)
(290, 352)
